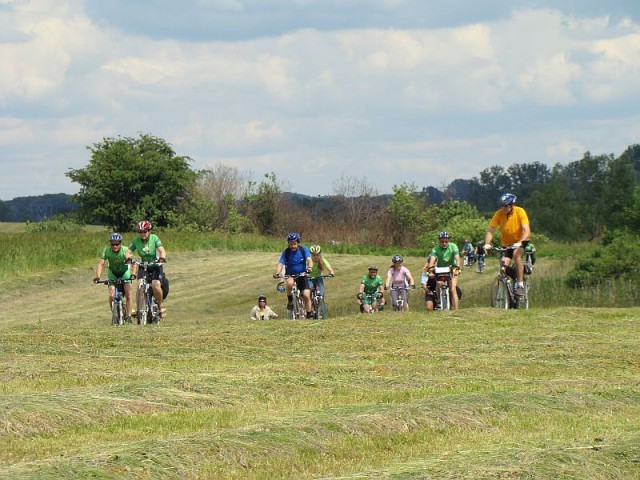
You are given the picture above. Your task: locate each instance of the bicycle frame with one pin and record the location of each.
(503, 288)
(443, 276)
(117, 305)
(403, 293)
(318, 306)
(297, 311)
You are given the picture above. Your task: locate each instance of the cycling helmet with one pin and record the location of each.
(315, 249)
(507, 199)
(293, 237)
(443, 234)
(373, 267)
(262, 297)
(144, 226)
(397, 258)
(115, 238)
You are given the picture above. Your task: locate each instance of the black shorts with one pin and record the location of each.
(302, 283)
(152, 273)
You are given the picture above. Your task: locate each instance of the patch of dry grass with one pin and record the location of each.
(477, 393)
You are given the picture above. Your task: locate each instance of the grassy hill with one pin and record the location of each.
(548, 393)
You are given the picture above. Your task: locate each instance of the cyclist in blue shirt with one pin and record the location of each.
(296, 259)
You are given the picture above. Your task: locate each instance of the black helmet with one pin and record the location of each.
(397, 258)
(373, 267)
(262, 297)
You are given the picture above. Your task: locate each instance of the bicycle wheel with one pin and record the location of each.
(320, 310)
(141, 305)
(523, 304)
(114, 313)
(302, 314)
(444, 299)
(154, 310)
(499, 294)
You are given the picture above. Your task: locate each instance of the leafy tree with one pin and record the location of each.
(128, 179)
(264, 204)
(403, 213)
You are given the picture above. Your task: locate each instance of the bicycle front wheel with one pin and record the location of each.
(321, 309)
(141, 305)
(444, 298)
(523, 303)
(117, 317)
(499, 294)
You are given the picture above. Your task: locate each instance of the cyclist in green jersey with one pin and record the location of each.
(371, 295)
(150, 249)
(445, 254)
(116, 255)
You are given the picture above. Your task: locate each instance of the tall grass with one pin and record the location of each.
(27, 253)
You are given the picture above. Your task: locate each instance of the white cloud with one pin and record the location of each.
(397, 103)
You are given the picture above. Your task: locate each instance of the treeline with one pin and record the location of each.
(36, 208)
(132, 178)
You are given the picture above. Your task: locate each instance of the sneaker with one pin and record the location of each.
(309, 315)
(520, 291)
(127, 319)
(163, 312)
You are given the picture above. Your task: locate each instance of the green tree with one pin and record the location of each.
(264, 204)
(403, 214)
(129, 179)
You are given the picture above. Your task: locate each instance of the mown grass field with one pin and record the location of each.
(548, 393)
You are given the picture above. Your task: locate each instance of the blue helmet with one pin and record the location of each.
(293, 237)
(507, 199)
(115, 238)
(443, 234)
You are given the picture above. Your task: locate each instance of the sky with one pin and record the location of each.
(317, 91)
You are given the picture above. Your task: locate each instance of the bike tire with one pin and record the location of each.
(523, 304)
(499, 294)
(444, 299)
(320, 310)
(154, 310)
(141, 306)
(114, 314)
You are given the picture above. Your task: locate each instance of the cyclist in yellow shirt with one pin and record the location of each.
(514, 233)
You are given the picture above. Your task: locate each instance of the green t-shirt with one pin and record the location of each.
(315, 271)
(371, 285)
(116, 260)
(146, 250)
(445, 256)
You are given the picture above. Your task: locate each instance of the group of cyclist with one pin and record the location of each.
(306, 267)
(121, 265)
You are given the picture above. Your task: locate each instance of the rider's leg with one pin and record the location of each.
(394, 298)
(112, 295)
(157, 291)
(127, 300)
(517, 257)
(306, 297)
(453, 292)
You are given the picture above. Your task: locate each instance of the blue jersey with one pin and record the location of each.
(295, 262)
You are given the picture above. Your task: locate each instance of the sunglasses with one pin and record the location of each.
(114, 244)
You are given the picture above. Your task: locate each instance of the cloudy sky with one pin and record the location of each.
(390, 91)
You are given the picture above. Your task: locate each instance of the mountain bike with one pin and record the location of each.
(297, 310)
(443, 275)
(480, 263)
(503, 287)
(402, 298)
(318, 306)
(118, 311)
(148, 310)
(370, 298)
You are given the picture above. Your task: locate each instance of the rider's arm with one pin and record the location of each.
(526, 232)
(489, 235)
(457, 260)
(410, 277)
(99, 268)
(279, 268)
(162, 254)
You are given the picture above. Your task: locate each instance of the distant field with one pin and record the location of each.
(548, 393)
